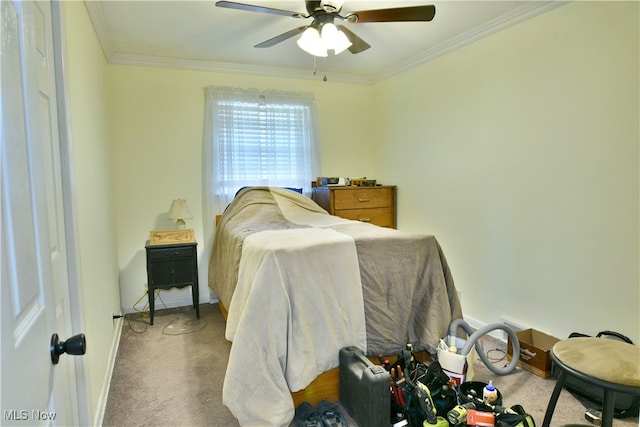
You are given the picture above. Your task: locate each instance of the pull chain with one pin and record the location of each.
(324, 79)
(315, 69)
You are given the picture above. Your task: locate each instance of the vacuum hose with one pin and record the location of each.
(474, 340)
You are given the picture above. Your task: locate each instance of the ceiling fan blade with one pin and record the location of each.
(358, 45)
(261, 9)
(282, 37)
(398, 14)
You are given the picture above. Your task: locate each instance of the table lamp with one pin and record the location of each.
(179, 211)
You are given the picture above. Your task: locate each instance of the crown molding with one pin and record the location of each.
(94, 9)
(526, 11)
(232, 68)
(522, 13)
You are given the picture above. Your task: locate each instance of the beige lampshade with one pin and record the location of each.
(179, 211)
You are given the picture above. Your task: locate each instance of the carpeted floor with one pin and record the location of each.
(171, 373)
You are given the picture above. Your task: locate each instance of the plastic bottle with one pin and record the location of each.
(489, 394)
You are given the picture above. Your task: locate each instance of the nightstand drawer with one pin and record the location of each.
(362, 198)
(170, 253)
(380, 216)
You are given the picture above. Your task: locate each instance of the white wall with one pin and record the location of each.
(520, 153)
(85, 69)
(156, 118)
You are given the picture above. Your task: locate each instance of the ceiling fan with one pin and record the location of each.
(322, 34)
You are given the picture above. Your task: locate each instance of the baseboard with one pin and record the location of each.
(476, 324)
(162, 304)
(106, 384)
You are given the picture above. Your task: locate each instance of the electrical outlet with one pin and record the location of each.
(115, 318)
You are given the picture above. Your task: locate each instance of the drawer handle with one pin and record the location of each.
(364, 219)
(362, 199)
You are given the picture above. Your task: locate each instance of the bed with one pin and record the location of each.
(297, 284)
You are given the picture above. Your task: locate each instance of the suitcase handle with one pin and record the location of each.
(375, 369)
(363, 358)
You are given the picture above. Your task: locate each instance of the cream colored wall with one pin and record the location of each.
(520, 153)
(85, 69)
(156, 118)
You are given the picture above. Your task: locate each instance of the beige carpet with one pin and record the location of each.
(171, 373)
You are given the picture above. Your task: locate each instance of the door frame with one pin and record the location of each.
(69, 209)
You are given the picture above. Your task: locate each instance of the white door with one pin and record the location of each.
(35, 291)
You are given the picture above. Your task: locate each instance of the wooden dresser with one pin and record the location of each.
(376, 205)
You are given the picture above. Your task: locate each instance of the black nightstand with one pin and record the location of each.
(172, 266)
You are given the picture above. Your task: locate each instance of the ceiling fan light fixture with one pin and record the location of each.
(323, 13)
(341, 43)
(334, 39)
(329, 38)
(328, 35)
(311, 42)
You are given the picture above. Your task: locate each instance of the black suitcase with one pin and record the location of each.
(626, 404)
(364, 388)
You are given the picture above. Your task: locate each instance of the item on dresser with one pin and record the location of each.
(324, 181)
(376, 205)
(362, 182)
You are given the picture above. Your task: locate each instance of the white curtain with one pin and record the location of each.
(254, 137)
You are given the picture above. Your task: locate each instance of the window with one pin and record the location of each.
(260, 143)
(256, 138)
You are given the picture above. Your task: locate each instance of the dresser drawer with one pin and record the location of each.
(170, 253)
(378, 216)
(362, 198)
(376, 205)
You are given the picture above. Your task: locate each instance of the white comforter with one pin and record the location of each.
(284, 295)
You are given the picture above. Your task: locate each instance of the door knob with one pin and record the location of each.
(76, 345)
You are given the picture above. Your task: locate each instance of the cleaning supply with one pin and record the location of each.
(489, 393)
(474, 340)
